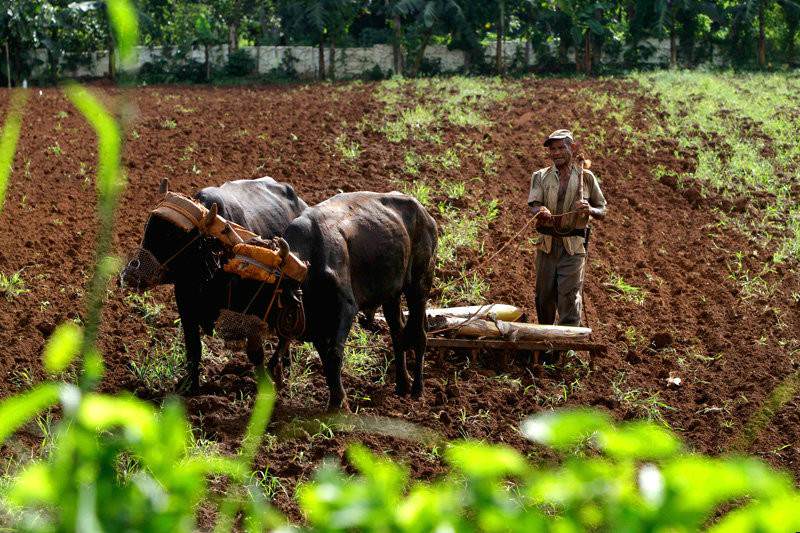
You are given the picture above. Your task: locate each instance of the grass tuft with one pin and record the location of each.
(13, 285)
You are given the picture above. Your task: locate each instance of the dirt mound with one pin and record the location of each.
(690, 317)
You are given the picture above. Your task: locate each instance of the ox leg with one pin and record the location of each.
(331, 351)
(255, 352)
(416, 339)
(394, 318)
(414, 332)
(191, 335)
(278, 361)
(188, 305)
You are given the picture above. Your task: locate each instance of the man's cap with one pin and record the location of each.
(559, 134)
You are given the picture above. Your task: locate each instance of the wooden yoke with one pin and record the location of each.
(253, 256)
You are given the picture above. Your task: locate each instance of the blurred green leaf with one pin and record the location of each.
(776, 516)
(484, 461)
(110, 179)
(101, 412)
(721, 480)
(262, 410)
(17, 410)
(125, 25)
(33, 486)
(564, 429)
(8, 141)
(638, 440)
(62, 347)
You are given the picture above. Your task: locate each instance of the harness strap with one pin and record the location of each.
(274, 295)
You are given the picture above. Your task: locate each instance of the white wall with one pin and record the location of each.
(350, 62)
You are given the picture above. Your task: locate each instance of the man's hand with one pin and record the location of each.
(544, 214)
(583, 207)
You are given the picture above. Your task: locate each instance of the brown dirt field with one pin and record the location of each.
(730, 351)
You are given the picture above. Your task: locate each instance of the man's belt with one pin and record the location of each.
(577, 232)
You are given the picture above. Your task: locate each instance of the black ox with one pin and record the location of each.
(169, 255)
(364, 250)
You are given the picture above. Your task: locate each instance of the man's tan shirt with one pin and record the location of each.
(544, 190)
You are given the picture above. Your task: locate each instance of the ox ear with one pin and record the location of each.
(163, 187)
(211, 215)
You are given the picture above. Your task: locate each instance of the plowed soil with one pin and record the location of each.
(729, 350)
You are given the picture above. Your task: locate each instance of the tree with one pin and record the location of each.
(233, 12)
(588, 19)
(393, 16)
(197, 24)
(431, 15)
(745, 14)
(791, 14)
(501, 28)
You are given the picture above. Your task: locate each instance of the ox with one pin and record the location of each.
(364, 250)
(192, 262)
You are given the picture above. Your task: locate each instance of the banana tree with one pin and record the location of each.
(432, 15)
(588, 19)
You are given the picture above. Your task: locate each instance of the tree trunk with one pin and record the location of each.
(578, 61)
(321, 70)
(112, 63)
(673, 49)
(397, 41)
(499, 67)
(332, 60)
(397, 46)
(762, 42)
(233, 37)
(207, 61)
(528, 47)
(587, 52)
(8, 67)
(426, 38)
(562, 50)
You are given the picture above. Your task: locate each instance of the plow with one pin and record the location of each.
(501, 332)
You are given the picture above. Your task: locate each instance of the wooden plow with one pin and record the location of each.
(500, 331)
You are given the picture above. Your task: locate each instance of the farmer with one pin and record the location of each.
(564, 196)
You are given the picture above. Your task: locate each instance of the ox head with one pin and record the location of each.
(168, 253)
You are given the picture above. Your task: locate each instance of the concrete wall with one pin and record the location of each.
(350, 62)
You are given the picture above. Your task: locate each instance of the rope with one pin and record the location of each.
(179, 252)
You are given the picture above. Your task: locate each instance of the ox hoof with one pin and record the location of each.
(338, 407)
(187, 386)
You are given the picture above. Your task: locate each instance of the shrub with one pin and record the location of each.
(240, 63)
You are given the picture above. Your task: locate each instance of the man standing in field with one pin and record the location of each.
(565, 195)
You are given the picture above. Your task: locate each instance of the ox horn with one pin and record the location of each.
(283, 247)
(163, 187)
(211, 215)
